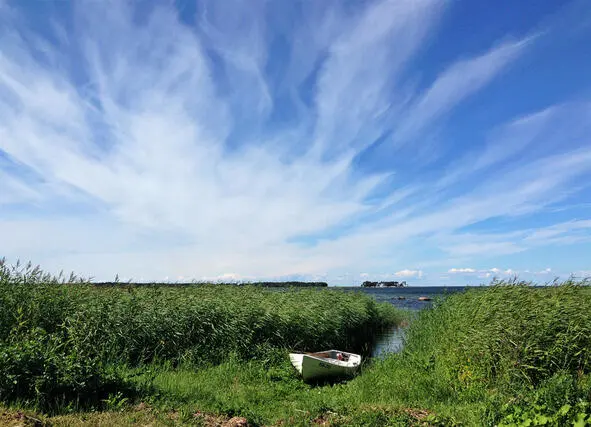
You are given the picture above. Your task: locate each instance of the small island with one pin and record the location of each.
(368, 284)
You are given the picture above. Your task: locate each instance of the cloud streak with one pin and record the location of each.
(460, 80)
(162, 145)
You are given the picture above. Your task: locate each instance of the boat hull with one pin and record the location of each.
(311, 366)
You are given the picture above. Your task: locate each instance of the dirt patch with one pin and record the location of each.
(19, 419)
(220, 420)
(417, 414)
(142, 406)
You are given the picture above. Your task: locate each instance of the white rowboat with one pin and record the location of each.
(330, 363)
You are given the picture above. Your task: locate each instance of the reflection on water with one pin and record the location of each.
(390, 341)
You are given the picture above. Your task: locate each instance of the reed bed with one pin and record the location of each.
(505, 354)
(508, 354)
(508, 334)
(66, 337)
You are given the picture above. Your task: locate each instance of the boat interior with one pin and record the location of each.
(331, 354)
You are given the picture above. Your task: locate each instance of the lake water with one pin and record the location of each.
(407, 298)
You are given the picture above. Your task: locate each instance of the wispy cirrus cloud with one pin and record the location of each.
(145, 142)
(520, 240)
(460, 80)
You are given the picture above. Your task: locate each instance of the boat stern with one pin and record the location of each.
(297, 361)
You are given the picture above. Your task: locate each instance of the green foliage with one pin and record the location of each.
(47, 371)
(523, 351)
(58, 337)
(562, 399)
(508, 334)
(478, 357)
(507, 354)
(116, 402)
(200, 325)
(538, 415)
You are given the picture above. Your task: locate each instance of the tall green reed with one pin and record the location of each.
(198, 325)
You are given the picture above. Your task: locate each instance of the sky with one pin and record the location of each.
(437, 142)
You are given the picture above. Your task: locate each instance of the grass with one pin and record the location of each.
(503, 354)
(198, 324)
(506, 354)
(67, 343)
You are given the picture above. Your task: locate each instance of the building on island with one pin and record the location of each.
(368, 284)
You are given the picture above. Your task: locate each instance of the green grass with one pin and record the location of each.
(506, 354)
(69, 341)
(509, 353)
(200, 324)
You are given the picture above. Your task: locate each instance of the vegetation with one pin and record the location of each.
(509, 354)
(505, 354)
(64, 341)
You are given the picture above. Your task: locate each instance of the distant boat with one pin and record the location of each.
(424, 299)
(330, 363)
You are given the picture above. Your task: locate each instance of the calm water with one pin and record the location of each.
(406, 298)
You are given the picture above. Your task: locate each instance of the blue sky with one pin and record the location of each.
(438, 142)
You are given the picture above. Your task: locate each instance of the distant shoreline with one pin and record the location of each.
(261, 284)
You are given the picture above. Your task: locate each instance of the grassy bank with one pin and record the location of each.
(70, 344)
(508, 354)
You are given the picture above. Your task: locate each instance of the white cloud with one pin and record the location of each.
(226, 277)
(164, 166)
(409, 273)
(461, 270)
(483, 248)
(483, 273)
(498, 272)
(558, 232)
(14, 190)
(135, 155)
(460, 80)
(508, 141)
(490, 245)
(351, 104)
